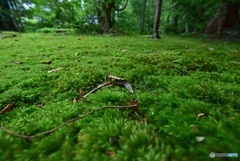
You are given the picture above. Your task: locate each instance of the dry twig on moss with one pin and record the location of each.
(30, 137)
(113, 81)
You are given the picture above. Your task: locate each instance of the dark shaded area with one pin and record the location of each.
(226, 17)
(6, 18)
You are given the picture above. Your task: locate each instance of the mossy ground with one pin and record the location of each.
(174, 79)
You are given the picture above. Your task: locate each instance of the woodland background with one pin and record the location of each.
(125, 16)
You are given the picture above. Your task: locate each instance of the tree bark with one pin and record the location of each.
(226, 17)
(157, 19)
(142, 16)
(106, 18)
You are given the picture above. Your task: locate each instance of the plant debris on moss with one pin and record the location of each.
(187, 93)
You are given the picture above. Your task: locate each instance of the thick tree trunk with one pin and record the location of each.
(226, 17)
(157, 19)
(106, 18)
(107, 8)
(142, 16)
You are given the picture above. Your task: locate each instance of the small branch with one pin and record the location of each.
(123, 8)
(114, 81)
(105, 84)
(29, 138)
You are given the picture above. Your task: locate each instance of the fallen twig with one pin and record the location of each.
(55, 70)
(114, 81)
(30, 137)
(105, 84)
(8, 108)
(121, 82)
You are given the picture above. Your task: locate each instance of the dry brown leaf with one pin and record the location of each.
(194, 127)
(110, 153)
(6, 109)
(54, 70)
(143, 121)
(81, 93)
(134, 103)
(80, 96)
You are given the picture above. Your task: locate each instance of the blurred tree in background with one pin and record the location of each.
(11, 12)
(128, 16)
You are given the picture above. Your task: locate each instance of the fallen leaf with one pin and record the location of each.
(110, 153)
(80, 96)
(8, 108)
(134, 103)
(143, 121)
(200, 115)
(75, 100)
(124, 50)
(194, 127)
(125, 84)
(122, 82)
(81, 93)
(200, 138)
(47, 62)
(54, 70)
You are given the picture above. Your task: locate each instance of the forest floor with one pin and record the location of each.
(188, 93)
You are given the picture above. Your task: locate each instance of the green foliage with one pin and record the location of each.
(174, 79)
(128, 21)
(176, 15)
(89, 17)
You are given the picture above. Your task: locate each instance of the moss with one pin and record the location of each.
(174, 79)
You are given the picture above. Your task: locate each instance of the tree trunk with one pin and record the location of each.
(175, 28)
(107, 23)
(142, 16)
(107, 16)
(186, 24)
(7, 21)
(17, 16)
(226, 17)
(157, 19)
(186, 27)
